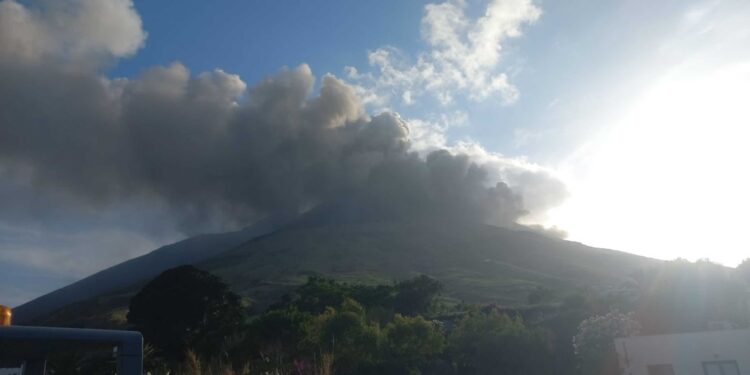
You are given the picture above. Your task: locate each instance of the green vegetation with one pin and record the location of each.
(185, 308)
(484, 341)
(474, 263)
(594, 343)
(323, 300)
(330, 327)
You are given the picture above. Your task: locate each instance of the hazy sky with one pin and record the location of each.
(639, 108)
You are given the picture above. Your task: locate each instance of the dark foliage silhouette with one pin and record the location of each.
(183, 308)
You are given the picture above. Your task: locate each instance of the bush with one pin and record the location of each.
(411, 343)
(494, 343)
(348, 336)
(186, 308)
(594, 344)
(417, 295)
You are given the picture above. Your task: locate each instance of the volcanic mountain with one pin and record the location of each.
(476, 263)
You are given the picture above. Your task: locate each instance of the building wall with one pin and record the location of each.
(685, 352)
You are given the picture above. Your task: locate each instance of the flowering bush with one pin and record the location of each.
(595, 339)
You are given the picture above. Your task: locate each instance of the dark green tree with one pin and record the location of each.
(315, 295)
(489, 342)
(409, 297)
(594, 344)
(416, 296)
(277, 334)
(346, 333)
(410, 344)
(186, 308)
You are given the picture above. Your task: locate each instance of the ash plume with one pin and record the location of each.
(212, 151)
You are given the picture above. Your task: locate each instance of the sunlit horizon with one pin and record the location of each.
(668, 179)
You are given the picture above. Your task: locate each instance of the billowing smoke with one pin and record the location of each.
(209, 149)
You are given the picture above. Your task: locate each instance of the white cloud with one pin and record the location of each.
(463, 57)
(78, 30)
(429, 133)
(539, 187)
(151, 138)
(426, 136)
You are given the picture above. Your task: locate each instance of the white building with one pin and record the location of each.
(699, 353)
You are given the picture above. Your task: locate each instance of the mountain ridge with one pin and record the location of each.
(477, 263)
(462, 255)
(188, 251)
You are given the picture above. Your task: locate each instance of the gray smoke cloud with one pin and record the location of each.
(210, 150)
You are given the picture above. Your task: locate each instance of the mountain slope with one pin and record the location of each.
(190, 251)
(477, 263)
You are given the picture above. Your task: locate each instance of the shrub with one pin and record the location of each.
(594, 343)
(492, 342)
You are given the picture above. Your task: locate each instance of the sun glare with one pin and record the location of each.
(670, 179)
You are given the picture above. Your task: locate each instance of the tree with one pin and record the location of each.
(562, 326)
(276, 335)
(410, 343)
(594, 344)
(185, 308)
(348, 335)
(489, 342)
(409, 297)
(318, 293)
(416, 296)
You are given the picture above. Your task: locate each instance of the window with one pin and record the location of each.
(665, 369)
(721, 368)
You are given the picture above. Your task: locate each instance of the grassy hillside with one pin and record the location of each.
(477, 263)
(138, 270)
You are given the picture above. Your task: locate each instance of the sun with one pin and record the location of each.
(671, 177)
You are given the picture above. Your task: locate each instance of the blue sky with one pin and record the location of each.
(574, 52)
(256, 38)
(632, 105)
